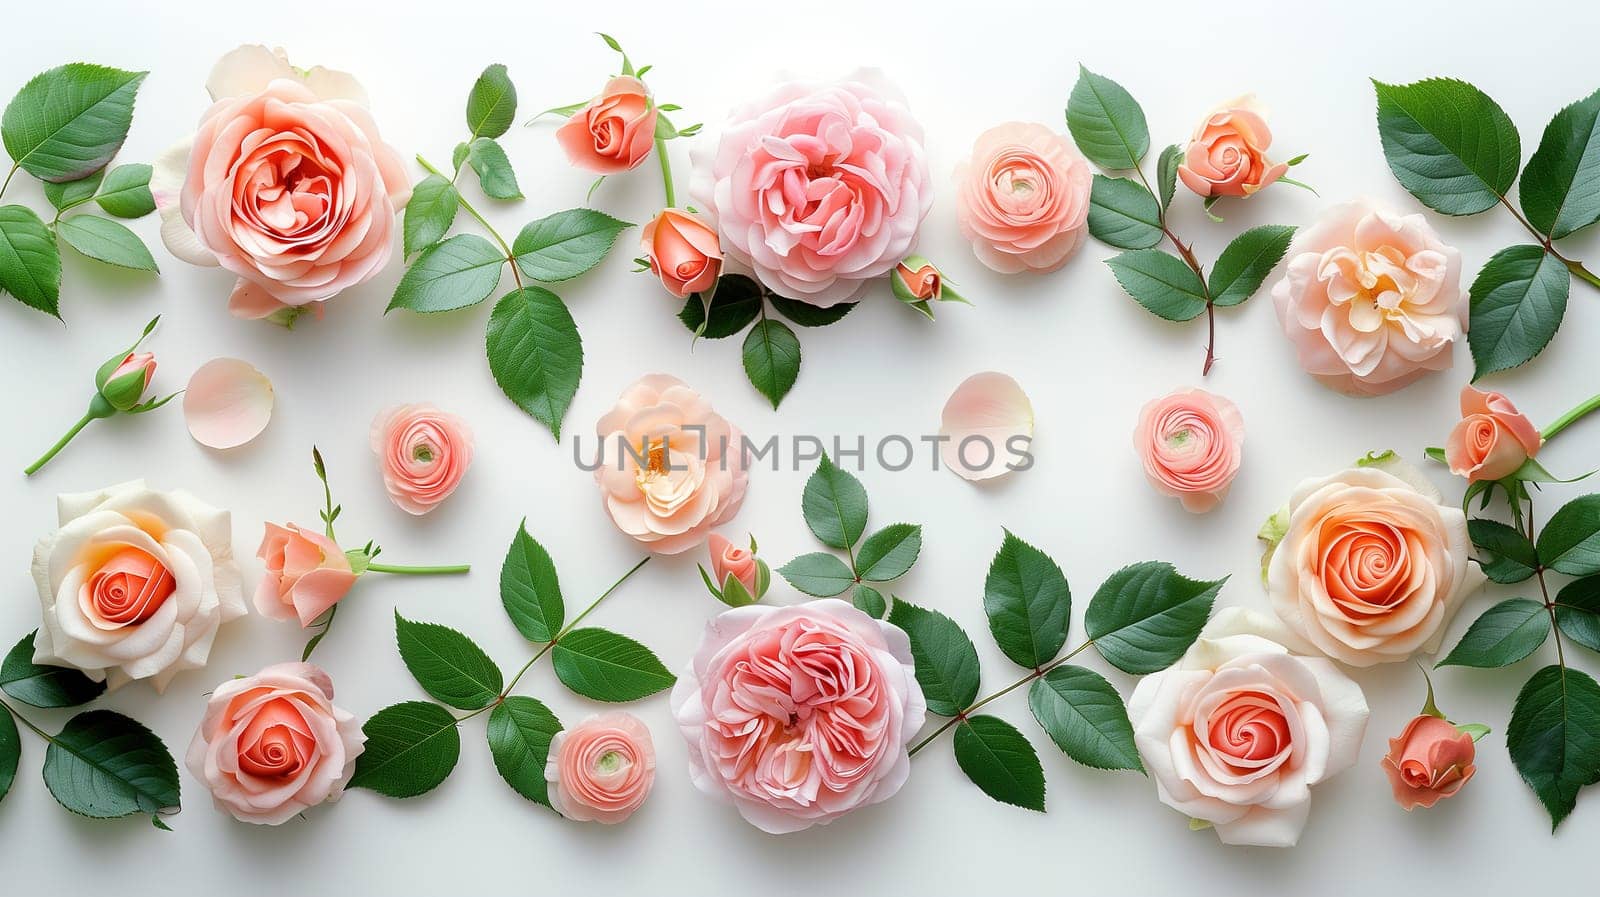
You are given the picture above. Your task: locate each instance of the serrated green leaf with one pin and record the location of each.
(1085, 717)
(1505, 554)
(30, 264)
(492, 103)
(10, 753)
(1448, 143)
(1106, 122)
(1167, 172)
(447, 664)
(430, 212)
(1028, 603)
(530, 589)
(1144, 616)
(869, 601)
(70, 121)
(106, 241)
(1570, 541)
(520, 731)
(105, 765)
(772, 359)
(946, 660)
(1505, 634)
(1245, 263)
(1560, 190)
(495, 175)
(44, 686)
(807, 315)
(125, 192)
(608, 666)
(1161, 282)
(1518, 300)
(1578, 611)
(834, 505)
(1123, 214)
(818, 574)
(734, 304)
(455, 273)
(566, 244)
(72, 193)
(888, 553)
(411, 748)
(1554, 737)
(535, 354)
(1000, 761)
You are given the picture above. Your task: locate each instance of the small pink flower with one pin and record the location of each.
(307, 574)
(422, 453)
(1492, 439)
(1191, 443)
(1227, 156)
(602, 769)
(728, 559)
(1430, 761)
(682, 251)
(615, 132)
(1024, 199)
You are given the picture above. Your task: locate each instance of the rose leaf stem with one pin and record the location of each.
(60, 443)
(666, 173)
(29, 723)
(9, 175)
(403, 570)
(1571, 417)
(505, 248)
(566, 629)
(963, 715)
(1573, 265)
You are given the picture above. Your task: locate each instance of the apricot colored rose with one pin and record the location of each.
(682, 252)
(307, 573)
(1430, 761)
(614, 132)
(1191, 443)
(1024, 198)
(602, 769)
(1492, 439)
(1227, 156)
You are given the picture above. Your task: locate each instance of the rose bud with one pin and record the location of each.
(614, 132)
(916, 282)
(682, 251)
(1492, 439)
(1429, 762)
(737, 576)
(123, 383)
(1227, 156)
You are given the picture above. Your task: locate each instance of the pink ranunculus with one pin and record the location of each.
(1227, 156)
(1430, 761)
(273, 745)
(614, 132)
(1492, 439)
(1191, 443)
(285, 184)
(682, 252)
(820, 188)
(1024, 200)
(601, 770)
(307, 573)
(728, 559)
(670, 467)
(798, 715)
(1371, 300)
(422, 453)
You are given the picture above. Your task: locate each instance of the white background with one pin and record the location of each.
(1086, 354)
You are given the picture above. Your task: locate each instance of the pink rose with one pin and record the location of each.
(728, 559)
(670, 467)
(682, 251)
(307, 574)
(1492, 439)
(1227, 156)
(1429, 762)
(601, 770)
(798, 715)
(1371, 300)
(615, 132)
(818, 187)
(272, 745)
(1024, 199)
(1191, 443)
(422, 453)
(920, 284)
(286, 184)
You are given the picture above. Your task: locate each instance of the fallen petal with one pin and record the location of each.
(227, 404)
(989, 422)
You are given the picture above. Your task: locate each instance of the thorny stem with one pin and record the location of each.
(505, 248)
(963, 715)
(1186, 252)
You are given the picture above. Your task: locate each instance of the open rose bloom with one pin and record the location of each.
(306, 574)
(1430, 761)
(614, 132)
(1191, 444)
(602, 769)
(1024, 198)
(1492, 439)
(1227, 156)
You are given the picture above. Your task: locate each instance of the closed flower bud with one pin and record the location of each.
(916, 282)
(122, 382)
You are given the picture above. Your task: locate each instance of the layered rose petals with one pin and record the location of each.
(228, 403)
(306, 574)
(614, 132)
(1227, 156)
(1024, 198)
(682, 252)
(602, 769)
(987, 425)
(1430, 761)
(1191, 445)
(1492, 439)
(422, 454)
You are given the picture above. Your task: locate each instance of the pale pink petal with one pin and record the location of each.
(227, 404)
(247, 70)
(989, 422)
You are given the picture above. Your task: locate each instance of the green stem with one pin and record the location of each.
(1583, 273)
(963, 715)
(9, 175)
(666, 173)
(1573, 265)
(568, 628)
(62, 442)
(505, 247)
(1571, 417)
(402, 570)
(26, 722)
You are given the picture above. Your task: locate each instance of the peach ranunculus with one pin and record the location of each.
(1492, 439)
(422, 453)
(307, 573)
(273, 745)
(820, 188)
(615, 131)
(1238, 730)
(682, 251)
(670, 467)
(1429, 762)
(1227, 156)
(1371, 300)
(798, 715)
(601, 770)
(1024, 198)
(285, 184)
(135, 584)
(1191, 443)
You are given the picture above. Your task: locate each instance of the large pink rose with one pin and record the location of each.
(798, 715)
(286, 184)
(818, 187)
(1024, 199)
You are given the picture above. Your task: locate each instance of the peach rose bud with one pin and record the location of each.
(1492, 439)
(917, 283)
(1191, 443)
(1429, 762)
(737, 576)
(307, 574)
(615, 131)
(602, 769)
(682, 251)
(1227, 156)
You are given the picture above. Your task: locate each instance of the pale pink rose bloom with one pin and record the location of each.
(728, 559)
(670, 467)
(798, 715)
(1492, 439)
(1371, 300)
(682, 252)
(273, 745)
(1227, 156)
(820, 188)
(1191, 444)
(1430, 761)
(602, 769)
(1024, 200)
(614, 132)
(307, 573)
(422, 453)
(228, 403)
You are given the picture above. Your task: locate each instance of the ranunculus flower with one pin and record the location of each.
(615, 132)
(1372, 566)
(670, 467)
(1191, 443)
(601, 770)
(422, 453)
(1237, 731)
(818, 187)
(1371, 300)
(286, 184)
(1024, 200)
(307, 573)
(1227, 156)
(272, 745)
(135, 584)
(798, 715)
(682, 251)
(1492, 439)
(1429, 762)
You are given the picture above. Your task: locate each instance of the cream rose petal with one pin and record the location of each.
(989, 409)
(228, 403)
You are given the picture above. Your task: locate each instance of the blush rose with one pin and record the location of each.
(1430, 761)
(1191, 444)
(1024, 198)
(306, 575)
(682, 252)
(614, 132)
(1492, 439)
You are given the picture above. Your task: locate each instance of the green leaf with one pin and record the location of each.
(1560, 189)
(30, 264)
(492, 104)
(1518, 300)
(1123, 214)
(430, 212)
(999, 760)
(72, 193)
(70, 121)
(530, 590)
(1167, 172)
(520, 731)
(125, 192)
(495, 174)
(1146, 615)
(105, 765)
(1578, 611)
(1454, 148)
(1028, 602)
(1505, 554)
(1085, 717)
(1244, 265)
(561, 246)
(1554, 737)
(772, 359)
(888, 553)
(1506, 633)
(1106, 122)
(818, 574)
(106, 241)
(807, 315)
(1161, 282)
(869, 601)
(834, 505)
(1570, 542)
(455, 273)
(607, 666)
(10, 753)
(447, 664)
(734, 304)
(946, 661)
(44, 686)
(535, 354)
(411, 748)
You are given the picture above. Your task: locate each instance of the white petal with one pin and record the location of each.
(166, 185)
(989, 422)
(227, 404)
(247, 70)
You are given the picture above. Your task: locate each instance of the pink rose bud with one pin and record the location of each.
(1429, 762)
(682, 251)
(737, 576)
(306, 574)
(916, 282)
(601, 770)
(1492, 439)
(124, 385)
(1191, 443)
(1227, 156)
(615, 131)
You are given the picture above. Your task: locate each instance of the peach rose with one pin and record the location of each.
(918, 285)
(1024, 201)
(134, 584)
(1371, 300)
(682, 251)
(615, 132)
(286, 184)
(1238, 730)
(1191, 443)
(1429, 762)
(1227, 156)
(422, 453)
(1492, 439)
(601, 770)
(670, 467)
(307, 573)
(272, 745)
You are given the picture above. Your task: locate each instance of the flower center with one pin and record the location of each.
(423, 452)
(610, 762)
